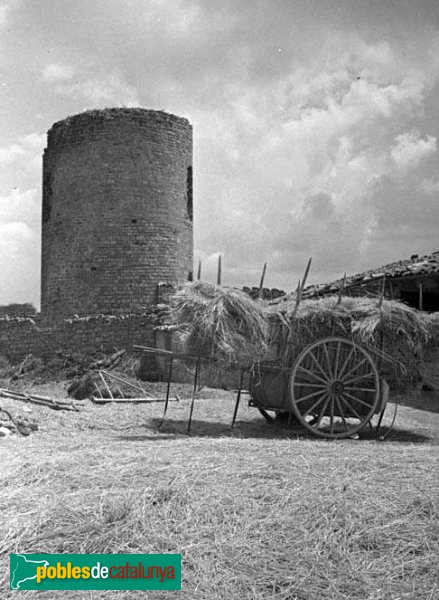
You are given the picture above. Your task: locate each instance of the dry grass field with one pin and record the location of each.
(260, 512)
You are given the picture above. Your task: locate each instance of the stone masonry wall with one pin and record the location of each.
(22, 336)
(18, 310)
(117, 211)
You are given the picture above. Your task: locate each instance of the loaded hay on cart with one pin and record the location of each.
(324, 363)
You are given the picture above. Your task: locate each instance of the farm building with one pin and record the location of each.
(414, 281)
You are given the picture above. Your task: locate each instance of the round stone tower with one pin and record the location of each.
(117, 211)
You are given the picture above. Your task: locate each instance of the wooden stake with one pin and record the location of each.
(342, 287)
(261, 285)
(199, 270)
(298, 299)
(383, 287)
(218, 278)
(300, 288)
(305, 276)
(421, 296)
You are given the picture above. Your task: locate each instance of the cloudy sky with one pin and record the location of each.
(316, 123)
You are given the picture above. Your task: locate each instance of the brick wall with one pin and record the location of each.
(117, 211)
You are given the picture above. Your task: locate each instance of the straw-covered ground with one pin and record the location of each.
(262, 512)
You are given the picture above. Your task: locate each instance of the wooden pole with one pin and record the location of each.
(261, 285)
(305, 276)
(342, 287)
(298, 299)
(199, 270)
(218, 278)
(300, 288)
(383, 288)
(421, 296)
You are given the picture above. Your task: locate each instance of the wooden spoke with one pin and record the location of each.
(322, 386)
(340, 373)
(357, 399)
(369, 374)
(337, 357)
(340, 410)
(354, 368)
(308, 396)
(343, 399)
(318, 365)
(322, 412)
(312, 374)
(314, 406)
(331, 415)
(325, 350)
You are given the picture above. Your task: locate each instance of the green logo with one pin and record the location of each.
(95, 571)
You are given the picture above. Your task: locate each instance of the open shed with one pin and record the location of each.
(414, 281)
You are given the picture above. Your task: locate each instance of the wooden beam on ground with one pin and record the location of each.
(133, 400)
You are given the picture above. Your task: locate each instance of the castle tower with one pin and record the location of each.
(117, 211)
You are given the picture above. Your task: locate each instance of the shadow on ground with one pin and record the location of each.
(263, 430)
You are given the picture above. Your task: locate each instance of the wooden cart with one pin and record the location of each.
(332, 388)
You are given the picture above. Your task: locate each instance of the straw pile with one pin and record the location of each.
(224, 323)
(221, 323)
(394, 333)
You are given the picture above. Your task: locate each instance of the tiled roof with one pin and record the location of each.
(414, 266)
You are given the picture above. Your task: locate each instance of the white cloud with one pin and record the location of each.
(305, 156)
(20, 207)
(20, 214)
(110, 89)
(99, 92)
(28, 150)
(19, 263)
(15, 231)
(5, 9)
(178, 17)
(410, 149)
(55, 72)
(430, 186)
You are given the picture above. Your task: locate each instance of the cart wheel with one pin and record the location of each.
(335, 388)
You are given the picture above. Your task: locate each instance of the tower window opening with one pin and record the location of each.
(190, 209)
